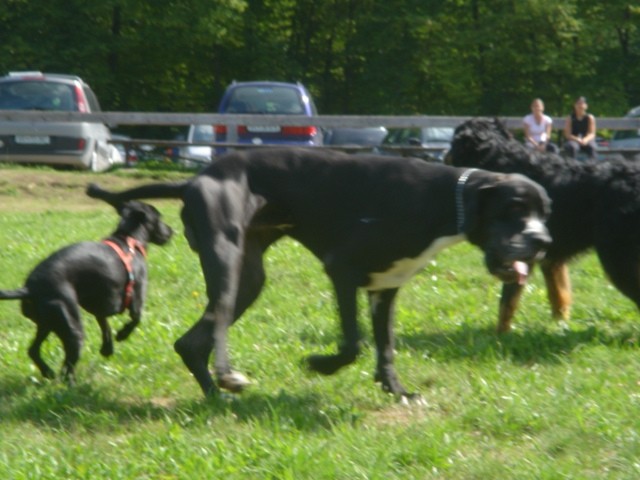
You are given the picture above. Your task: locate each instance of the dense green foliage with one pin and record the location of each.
(543, 402)
(436, 57)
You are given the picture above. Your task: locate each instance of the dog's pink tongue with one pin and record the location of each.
(522, 269)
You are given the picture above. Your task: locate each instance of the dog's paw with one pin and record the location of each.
(123, 334)
(68, 375)
(234, 382)
(326, 364)
(106, 350)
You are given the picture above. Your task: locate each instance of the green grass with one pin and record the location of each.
(544, 402)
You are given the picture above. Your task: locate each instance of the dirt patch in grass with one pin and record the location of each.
(38, 189)
(400, 414)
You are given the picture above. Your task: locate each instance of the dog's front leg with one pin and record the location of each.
(558, 282)
(349, 349)
(135, 314)
(509, 300)
(382, 304)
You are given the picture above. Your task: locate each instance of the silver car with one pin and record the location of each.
(428, 143)
(627, 142)
(77, 144)
(198, 153)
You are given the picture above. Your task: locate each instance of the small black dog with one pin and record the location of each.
(104, 278)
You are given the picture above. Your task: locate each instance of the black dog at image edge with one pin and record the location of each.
(372, 221)
(104, 278)
(595, 204)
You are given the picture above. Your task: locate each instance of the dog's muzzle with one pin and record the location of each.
(529, 246)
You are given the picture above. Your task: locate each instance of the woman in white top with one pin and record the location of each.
(537, 128)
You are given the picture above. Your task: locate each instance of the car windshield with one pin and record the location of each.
(37, 95)
(265, 99)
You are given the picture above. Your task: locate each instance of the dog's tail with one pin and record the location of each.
(153, 190)
(14, 294)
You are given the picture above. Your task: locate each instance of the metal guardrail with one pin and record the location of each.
(325, 121)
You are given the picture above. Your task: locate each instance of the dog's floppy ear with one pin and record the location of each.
(131, 216)
(473, 208)
(474, 202)
(134, 210)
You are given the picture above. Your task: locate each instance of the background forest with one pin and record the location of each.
(431, 57)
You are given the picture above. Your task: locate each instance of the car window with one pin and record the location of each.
(401, 136)
(37, 95)
(203, 133)
(626, 134)
(265, 99)
(356, 136)
(94, 105)
(437, 134)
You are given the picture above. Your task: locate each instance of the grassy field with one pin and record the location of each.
(547, 401)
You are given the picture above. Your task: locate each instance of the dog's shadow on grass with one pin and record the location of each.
(57, 406)
(51, 404)
(524, 346)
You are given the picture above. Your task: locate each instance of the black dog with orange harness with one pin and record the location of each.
(104, 278)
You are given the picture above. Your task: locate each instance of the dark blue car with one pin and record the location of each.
(268, 98)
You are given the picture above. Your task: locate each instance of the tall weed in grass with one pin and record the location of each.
(547, 401)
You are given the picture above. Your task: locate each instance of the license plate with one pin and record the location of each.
(263, 129)
(33, 139)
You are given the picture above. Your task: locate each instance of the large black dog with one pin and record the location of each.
(595, 204)
(104, 278)
(372, 221)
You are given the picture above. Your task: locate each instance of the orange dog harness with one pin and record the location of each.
(127, 260)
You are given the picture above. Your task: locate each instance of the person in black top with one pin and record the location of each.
(580, 131)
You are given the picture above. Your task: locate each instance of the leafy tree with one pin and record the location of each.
(462, 57)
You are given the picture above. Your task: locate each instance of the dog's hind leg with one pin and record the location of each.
(622, 264)
(382, 304)
(195, 347)
(68, 327)
(34, 351)
(558, 282)
(219, 241)
(106, 350)
(252, 277)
